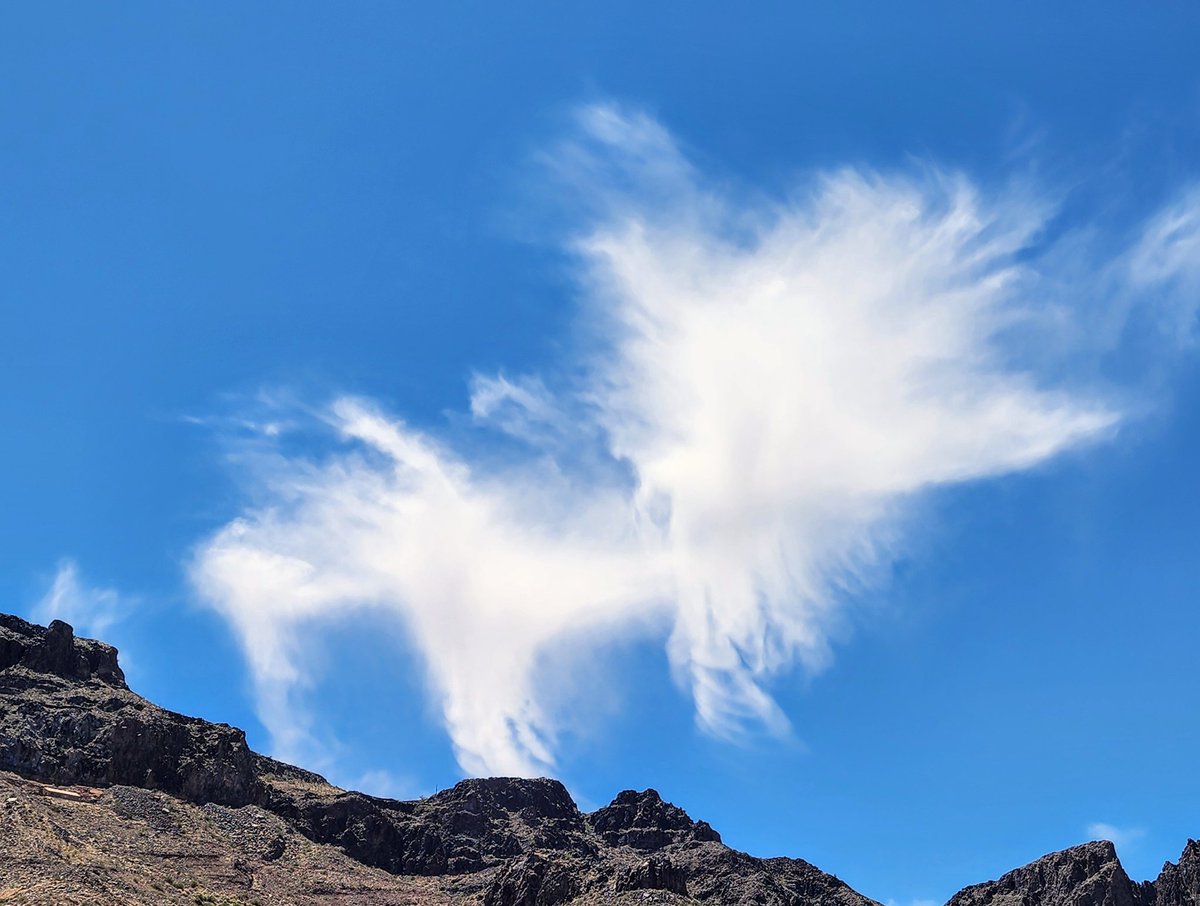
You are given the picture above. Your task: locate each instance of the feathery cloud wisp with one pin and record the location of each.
(90, 611)
(768, 391)
(1120, 837)
(1167, 257)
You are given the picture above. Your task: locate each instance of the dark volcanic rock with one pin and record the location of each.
(532, 880)
(359, 825)
(493, 797)
(1179, 883)
(643, 821)
(67, 717)
(655, 873)
(56, 651)
(1087, 875)
(718, 874)
(474, 825)
(503, 816)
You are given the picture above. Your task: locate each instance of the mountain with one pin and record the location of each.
(106, 798)
(1088, 875)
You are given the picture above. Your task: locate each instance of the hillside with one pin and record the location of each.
(106, 798)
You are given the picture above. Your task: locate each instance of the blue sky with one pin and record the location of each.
(794, 412)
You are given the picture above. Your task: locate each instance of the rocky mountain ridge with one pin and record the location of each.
(1089, 875)
(109, 798)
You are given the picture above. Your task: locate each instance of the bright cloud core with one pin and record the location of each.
(768, 390)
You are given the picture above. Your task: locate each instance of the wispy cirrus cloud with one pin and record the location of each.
(768, 390)
(1120, 837)
(91, 610)
(1166, 260)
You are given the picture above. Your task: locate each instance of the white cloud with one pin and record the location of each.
(487, 572)
(90, 611)
(772, 388)
(385, 784)
(523, 408)
(1167, 258)
(1120, 837)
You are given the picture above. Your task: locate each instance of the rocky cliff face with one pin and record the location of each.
(1089, 875)
(1179, 882)
(109, 798)
(68, 717)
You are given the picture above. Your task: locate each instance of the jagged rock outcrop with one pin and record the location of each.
(1087, 875)
(718, 874)
(643, 821)
(654, 873)
(68, 717)
(473, 826)
(1179, 882)
(531, 880)
(57, 652)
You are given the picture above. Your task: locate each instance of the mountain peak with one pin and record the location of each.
(1086, 875)
(540, 797)
(1179, 882)
(644, 821)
